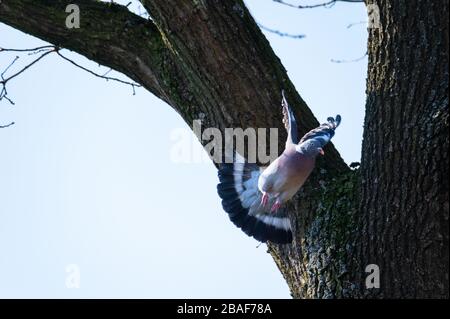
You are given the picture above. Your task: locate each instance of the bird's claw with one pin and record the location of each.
(264, 199)
(275, 207)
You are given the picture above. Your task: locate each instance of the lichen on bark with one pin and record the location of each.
(324, 243)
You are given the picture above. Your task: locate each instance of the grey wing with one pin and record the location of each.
(289, 122)
(324, 132)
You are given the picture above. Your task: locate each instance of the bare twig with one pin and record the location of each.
(356, 23)
(28, 50)
(47, 50)
(7, 68)
(107, 72)
(327, 4)
(132, 84)
(7, 125)
(4, 95)
(282, 34)
(350, 61)
(43, 51)
(4, 81)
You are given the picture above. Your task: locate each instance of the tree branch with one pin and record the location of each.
(194, 69)
(32, 50)
(47, 49)
(4, 81)
(7, 125)
(327, 4)
(230, 62)
(282, 34)
(350, 61)
(107, 78)
(110, 35)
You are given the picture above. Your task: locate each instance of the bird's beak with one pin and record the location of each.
(321, 151)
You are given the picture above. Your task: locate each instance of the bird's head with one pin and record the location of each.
(312, 147)
(313, 142)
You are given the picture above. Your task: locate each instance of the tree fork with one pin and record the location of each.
(208, 59)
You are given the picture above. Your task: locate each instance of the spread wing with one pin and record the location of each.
(241, 199)
(324, 132)
(289, 122)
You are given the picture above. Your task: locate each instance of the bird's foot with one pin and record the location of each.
(264, 199)
(276, 206)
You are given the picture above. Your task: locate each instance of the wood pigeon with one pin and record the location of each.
(253, 196)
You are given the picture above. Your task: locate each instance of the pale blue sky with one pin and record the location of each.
(86, 176)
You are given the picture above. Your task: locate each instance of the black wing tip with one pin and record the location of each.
(334, 121)
(225, 174)
(338, 120)
(265, 233)
(284, 239)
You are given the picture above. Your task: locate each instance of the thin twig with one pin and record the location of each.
(107, 72)
(4, 95)
(47, 49)
(356, 23)
(133, 84)
(282, 34)
(4, 81)
(327, 4)
(350, 61)
(8, 67)
(27, 50)
(7, 125)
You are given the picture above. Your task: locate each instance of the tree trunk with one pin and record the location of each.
(208, 59)
(404, 172)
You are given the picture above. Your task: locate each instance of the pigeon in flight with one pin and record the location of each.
(253, 196)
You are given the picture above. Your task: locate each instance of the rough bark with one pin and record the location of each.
(209, 60)
(404, 190)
